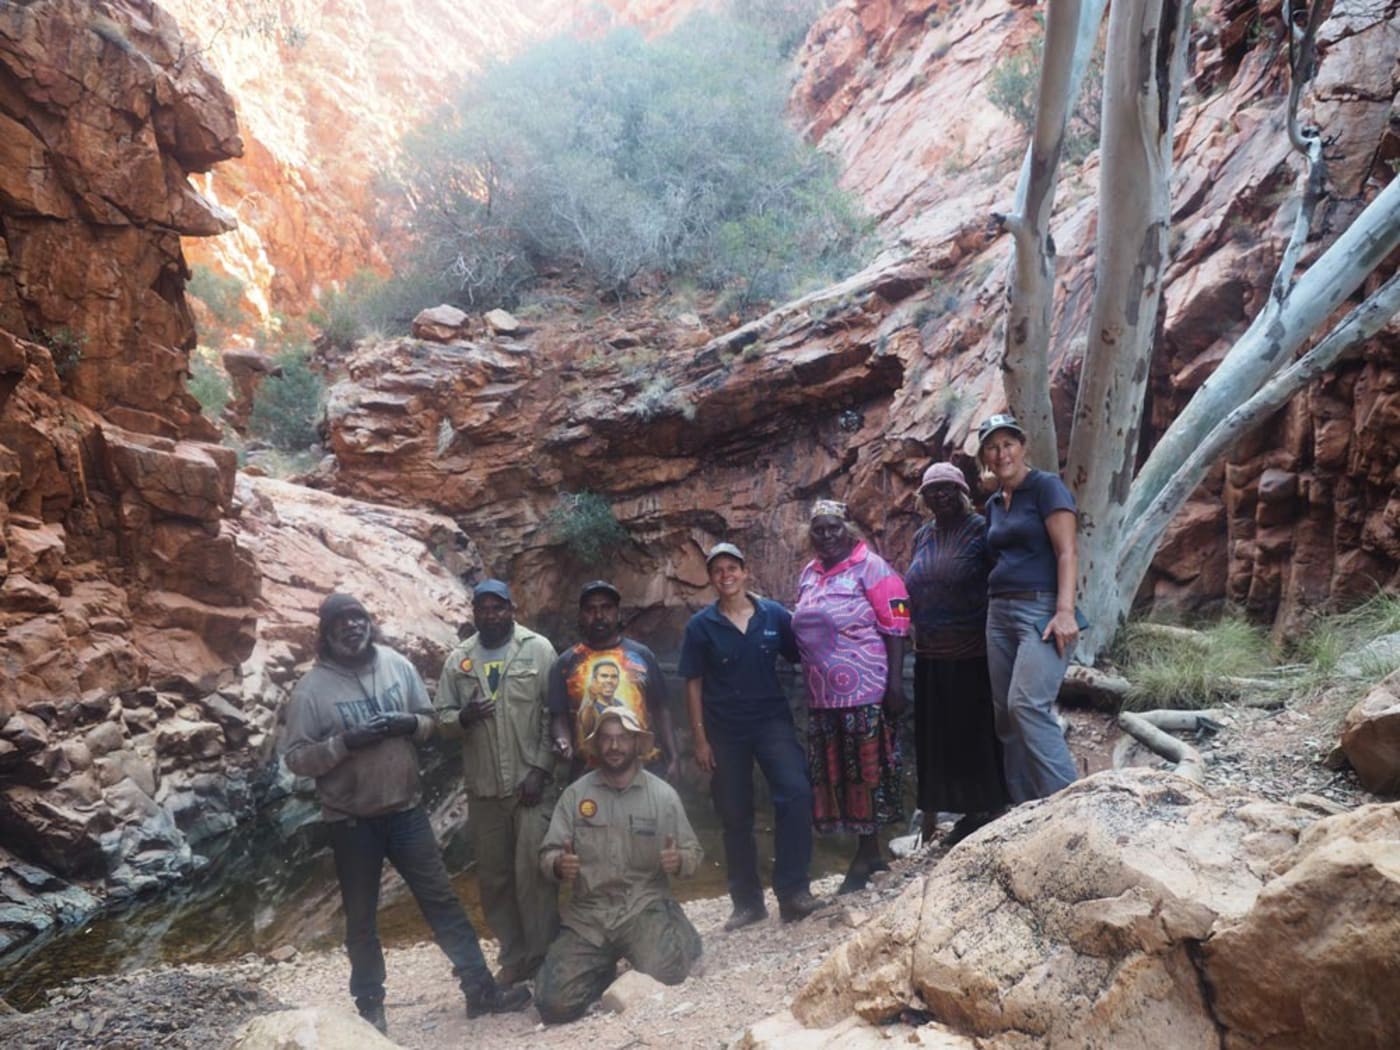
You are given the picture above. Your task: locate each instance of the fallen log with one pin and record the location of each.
(1144, 729)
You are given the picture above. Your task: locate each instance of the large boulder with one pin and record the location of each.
(1069, 923)
(1316, 961)
(1133, 909)
(1371, 737)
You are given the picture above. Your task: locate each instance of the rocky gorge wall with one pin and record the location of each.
(154, 606)
(325, 89)
(696, 432)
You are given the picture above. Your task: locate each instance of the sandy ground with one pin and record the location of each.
(745, 976)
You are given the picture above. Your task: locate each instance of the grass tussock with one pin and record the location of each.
(1186, 669)
(1339, 658)
(1342, 655)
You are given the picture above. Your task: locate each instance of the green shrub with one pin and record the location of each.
(628, 158)
(1014, 88)
(1189, 669)
(287, 406)
(222, 293)
(370, 303)
(209, 385)
(585, 524)
(784, 22)
(65, 349)
(1015, 85)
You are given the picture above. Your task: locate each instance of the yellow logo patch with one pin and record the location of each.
(466, 665)
(588, 809)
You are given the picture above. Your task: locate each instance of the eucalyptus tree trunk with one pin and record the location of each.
(1145, 532)
(1144, 69)
(1071, 34)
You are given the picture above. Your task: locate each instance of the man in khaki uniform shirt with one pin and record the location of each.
(618, 834)
(492, 696)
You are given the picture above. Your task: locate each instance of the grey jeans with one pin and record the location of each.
(1026, 675)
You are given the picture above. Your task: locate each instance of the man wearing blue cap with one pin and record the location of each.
(491, 696)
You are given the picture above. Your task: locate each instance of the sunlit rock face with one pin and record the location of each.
(104, 117)
(119, 566)
(325, 91)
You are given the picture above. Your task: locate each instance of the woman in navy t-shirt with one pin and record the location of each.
(1031, 626)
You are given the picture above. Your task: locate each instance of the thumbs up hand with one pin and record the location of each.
(670, 857)
(566, 865)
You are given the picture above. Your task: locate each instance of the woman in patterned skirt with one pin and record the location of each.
(957, 754)
(851, 619)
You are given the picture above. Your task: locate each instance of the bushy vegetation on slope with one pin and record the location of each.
(632, 160)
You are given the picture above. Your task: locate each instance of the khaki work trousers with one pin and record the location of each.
(659, 941)
(521, 906)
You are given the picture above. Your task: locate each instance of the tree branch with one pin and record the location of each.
(1273, 338)
(1146, 534)
(1071, 34)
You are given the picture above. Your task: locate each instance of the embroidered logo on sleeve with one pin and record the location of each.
(466, 665)
(588, 809)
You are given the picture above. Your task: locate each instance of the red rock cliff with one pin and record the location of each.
(854, 390)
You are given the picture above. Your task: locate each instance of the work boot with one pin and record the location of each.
(797, 906)
(745, 915)
(372, 1010)
(969, 823)
(490, 998)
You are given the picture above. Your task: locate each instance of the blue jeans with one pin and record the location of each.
(405, 839)
(1026, 674)
(772, 742)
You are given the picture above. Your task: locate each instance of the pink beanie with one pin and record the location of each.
(944, 473)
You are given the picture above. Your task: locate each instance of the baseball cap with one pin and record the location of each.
(493, 587)
(594, 586)
(724, 548)
(1000, 421)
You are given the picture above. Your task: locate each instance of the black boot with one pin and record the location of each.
(372, 1010)
(745, 915)
(797, 906)
(490, 998)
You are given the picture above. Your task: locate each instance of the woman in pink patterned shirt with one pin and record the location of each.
(851, 619)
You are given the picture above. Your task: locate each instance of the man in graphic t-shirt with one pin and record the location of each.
(491, 696)
(606, 670)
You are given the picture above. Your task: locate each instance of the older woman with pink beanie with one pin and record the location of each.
(958, 756)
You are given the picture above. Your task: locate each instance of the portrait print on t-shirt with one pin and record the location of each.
(595, 679)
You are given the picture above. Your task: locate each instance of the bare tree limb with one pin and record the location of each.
(1293, 311)
(1189, 762)
(1145, 534)
(1071, 34)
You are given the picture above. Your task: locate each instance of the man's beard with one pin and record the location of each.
(494, 636)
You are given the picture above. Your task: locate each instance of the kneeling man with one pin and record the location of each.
(617, 834)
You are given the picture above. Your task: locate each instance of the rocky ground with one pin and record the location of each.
(747, 975)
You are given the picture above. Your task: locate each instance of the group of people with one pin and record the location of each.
(568, 758)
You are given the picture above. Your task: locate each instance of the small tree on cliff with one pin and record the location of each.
(1124, 508)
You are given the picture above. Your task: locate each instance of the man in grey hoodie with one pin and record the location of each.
(352, 724)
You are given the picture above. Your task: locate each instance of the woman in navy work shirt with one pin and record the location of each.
(739, 715)
(1031, 628)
